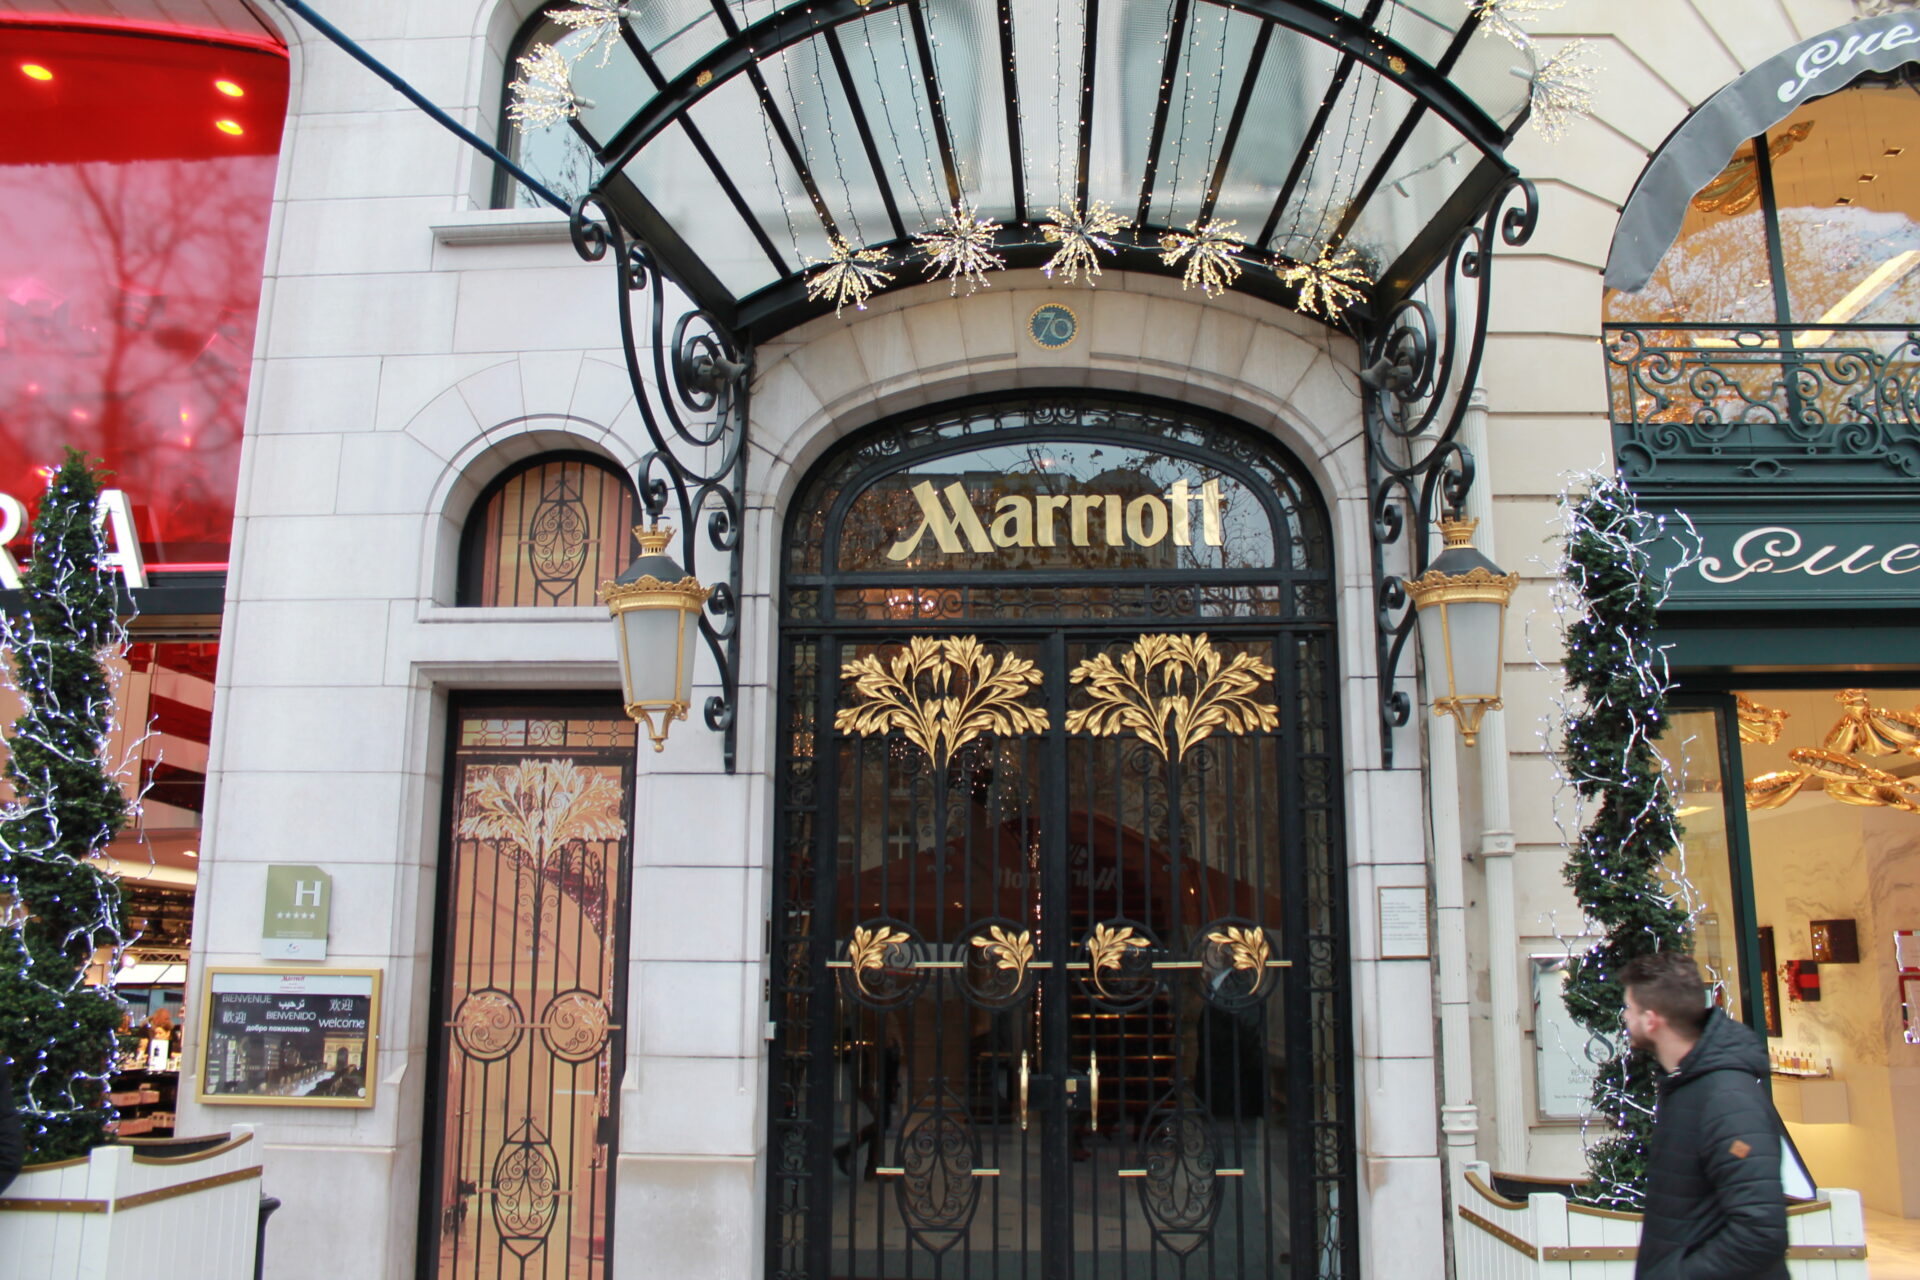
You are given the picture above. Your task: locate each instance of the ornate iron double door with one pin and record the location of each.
(1060, 992)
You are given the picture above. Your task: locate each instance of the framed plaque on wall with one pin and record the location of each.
(295, 1037)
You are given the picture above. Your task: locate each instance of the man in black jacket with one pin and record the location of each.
(13, 1145)
(1714, 1206)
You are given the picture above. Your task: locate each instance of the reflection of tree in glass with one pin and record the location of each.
(131, 291)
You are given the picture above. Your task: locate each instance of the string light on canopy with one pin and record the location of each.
(1503, 18)
(602, 18)
(1082, 237)
(1563, 90)
(847, 275)
(1211, 250)
(956, 241)
(960, 248)
(1329, 284)
(543, 94)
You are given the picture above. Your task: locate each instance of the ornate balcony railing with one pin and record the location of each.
(1710, 406)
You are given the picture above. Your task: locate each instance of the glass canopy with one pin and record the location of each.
(741, 139)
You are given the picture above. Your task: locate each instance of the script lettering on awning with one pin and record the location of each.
(1780, 549)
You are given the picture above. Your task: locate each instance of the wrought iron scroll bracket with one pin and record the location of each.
(1419, 377)
(689, 386)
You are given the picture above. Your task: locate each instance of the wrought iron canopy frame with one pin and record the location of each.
(692, 392)
(1360, 43)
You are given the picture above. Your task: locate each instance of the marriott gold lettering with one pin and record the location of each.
(1021, 520)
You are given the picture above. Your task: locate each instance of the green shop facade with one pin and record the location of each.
(1761, 375)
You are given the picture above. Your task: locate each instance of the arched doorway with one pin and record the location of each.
(1059, 943)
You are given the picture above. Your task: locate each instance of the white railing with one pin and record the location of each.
(99, 1217)
(1547, 1237)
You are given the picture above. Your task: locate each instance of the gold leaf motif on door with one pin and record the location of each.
(1173, 692)
(942, 694)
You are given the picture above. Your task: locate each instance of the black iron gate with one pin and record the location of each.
(1060, 985)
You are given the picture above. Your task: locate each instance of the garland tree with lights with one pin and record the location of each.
(1618, 673)
(58, 907)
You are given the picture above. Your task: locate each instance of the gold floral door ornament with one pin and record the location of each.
(1834, 766)
(1173, 692)
(942, 694)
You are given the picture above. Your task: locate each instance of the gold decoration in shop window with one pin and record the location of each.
(1734, 189)
(1106, 948)
(1008, 950)
(1759, 723)
(942, 694)
(1173, 692)
(1863, 729)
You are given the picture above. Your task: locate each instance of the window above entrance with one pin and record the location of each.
(1120, 507)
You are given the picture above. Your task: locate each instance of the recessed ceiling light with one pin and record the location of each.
(229, 126)
(191, 853)
(1843, 199)
(34, 71)
(229, 88)
(1869, 177)
(1892, 151)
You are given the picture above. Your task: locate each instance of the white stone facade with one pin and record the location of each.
(413, 343)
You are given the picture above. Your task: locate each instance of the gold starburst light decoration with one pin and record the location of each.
(1563, 90)
(1079, 236)
(960, 247)
(848, 275)
(602, 18)
(1503, 18)
(1211, 250)
(1329, 284)
(543, 94)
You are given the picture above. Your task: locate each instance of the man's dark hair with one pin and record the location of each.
(1669, 983)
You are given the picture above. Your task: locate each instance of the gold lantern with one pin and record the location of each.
(656, 607)
(1462, 604)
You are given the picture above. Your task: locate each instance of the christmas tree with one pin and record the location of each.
(61, 908)
(1618, 674)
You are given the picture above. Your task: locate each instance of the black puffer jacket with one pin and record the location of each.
(1714, 1206)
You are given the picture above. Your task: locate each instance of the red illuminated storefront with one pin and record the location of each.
(136, 179)
(136, 175)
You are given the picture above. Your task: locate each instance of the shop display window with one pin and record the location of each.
(1817, 224)
(1807, 861)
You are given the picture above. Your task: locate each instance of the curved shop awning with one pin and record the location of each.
(741, 139)
(1696, 152)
